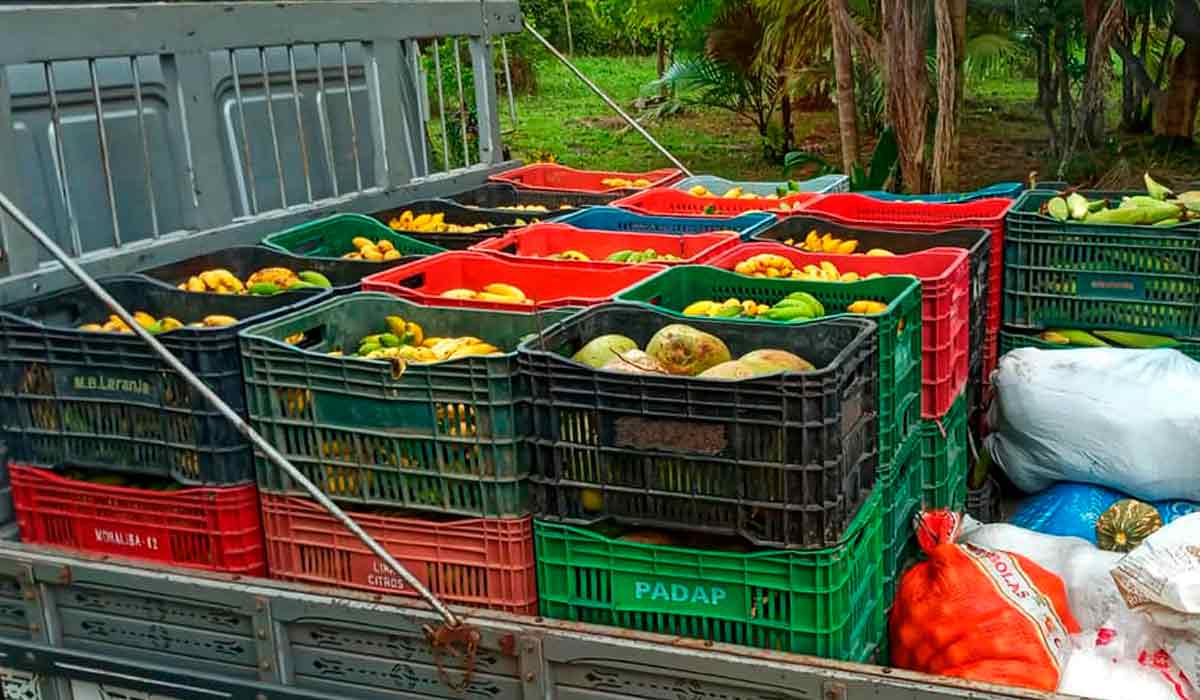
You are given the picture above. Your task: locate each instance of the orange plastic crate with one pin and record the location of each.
(477, 562)
(211, 528)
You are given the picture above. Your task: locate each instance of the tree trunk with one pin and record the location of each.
(1092, 120)
(951, 20)
(905, 29)
(1177, 120)
(843, 68)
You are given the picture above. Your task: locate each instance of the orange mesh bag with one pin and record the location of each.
(979, 614)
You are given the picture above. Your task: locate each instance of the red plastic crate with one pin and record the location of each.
(544, 240)
(930, 217)
(560, 178)
(945, 275)
(210, 528)
(478, 562)
(680, 203)
(549, 283)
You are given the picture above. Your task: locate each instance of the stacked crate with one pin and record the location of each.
(429, 458)
(746, 511)
(1087, 276)
(112, 451)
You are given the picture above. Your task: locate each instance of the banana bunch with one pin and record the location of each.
(828, 272)
(828, 243)
(382, 250)
(1158, 207)
(269, 280)
(573, 255)
(1104, 339)
(866, 306)
(166, 324)
(640, 183)
(738, 192)
(765, 265)
(435, 223)
(730, 308)
(496, 292)
(640, 256)
(538, 208)
(797, 306)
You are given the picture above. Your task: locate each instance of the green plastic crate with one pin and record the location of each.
(330, 238)
(443, 437)
(902, 484)
(824, 603)
(1012, 339)
(1079, 275)
(944, 454)
(672, 290)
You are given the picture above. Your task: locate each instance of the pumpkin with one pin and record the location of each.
(1125, 524)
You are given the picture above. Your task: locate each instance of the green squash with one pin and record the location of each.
(1125, 524)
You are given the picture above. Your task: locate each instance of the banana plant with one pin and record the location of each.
(881, 169)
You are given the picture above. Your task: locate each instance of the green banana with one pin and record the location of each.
(315, 278)
(728, 312)
(301, 284)
(1077, 205)
(263, 289)
(1058, 209)
(788, 313)
(368, 348)
(818, 309)
(620, 256)
(1156, 190)
(389, 340)
(781, 191)
(1080, 338)
(1127, 339)
(1166, 222)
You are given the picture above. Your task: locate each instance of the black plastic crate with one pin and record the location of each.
(976, 241)
(783, 460)
(105, 400)
(243, 261)
(502, 197)
(455, 213)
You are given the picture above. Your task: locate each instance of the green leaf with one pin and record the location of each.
(883, 160)
(797, 159)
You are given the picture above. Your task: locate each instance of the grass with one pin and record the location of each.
(1004, 136)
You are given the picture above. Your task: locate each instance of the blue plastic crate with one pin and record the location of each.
(625, 221)
(1011, 190)
(719, 185)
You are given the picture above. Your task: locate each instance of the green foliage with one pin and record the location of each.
(702, 80)
(875, 177)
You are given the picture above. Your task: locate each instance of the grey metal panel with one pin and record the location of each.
(392, 123)
(14, 256)
(485, 102)
(206, 201)
(181, 245)
(361, 646)
(74, 31)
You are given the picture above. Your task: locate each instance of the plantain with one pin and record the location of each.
(263, 289)
(218, 320)
(315, 278)
(1155, 189)
(1127, 339)
(1080, 338)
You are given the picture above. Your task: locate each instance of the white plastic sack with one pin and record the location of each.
(1161, 579)
(1091, 592)
(1124, 419)
(1107, 666)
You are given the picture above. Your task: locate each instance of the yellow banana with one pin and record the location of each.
(506, 290)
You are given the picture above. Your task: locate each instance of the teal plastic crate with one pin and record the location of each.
(944, 454)
(825, 603)
(1080, 275)
(900, 329)
(445, 437)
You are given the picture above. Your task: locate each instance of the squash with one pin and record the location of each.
(1125, 524)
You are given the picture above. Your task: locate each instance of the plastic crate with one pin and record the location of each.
(902, 486)
(552, 176)
(330, 238)
(443, 437)
(1007, 190)
(243, 261)
(545, 240)
(1012, 338)
(858, 210)
(503, 198)
(782, 460)
(945, 307)
(215, 529)
(1080, 275)
(823, 603)
(626, 221)
(719, 185)
(549, 283)
(975, 241)
(105, 400)
(499, 222)
(944, 455)
(899, 336)
(477, 562)
(679, 203)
